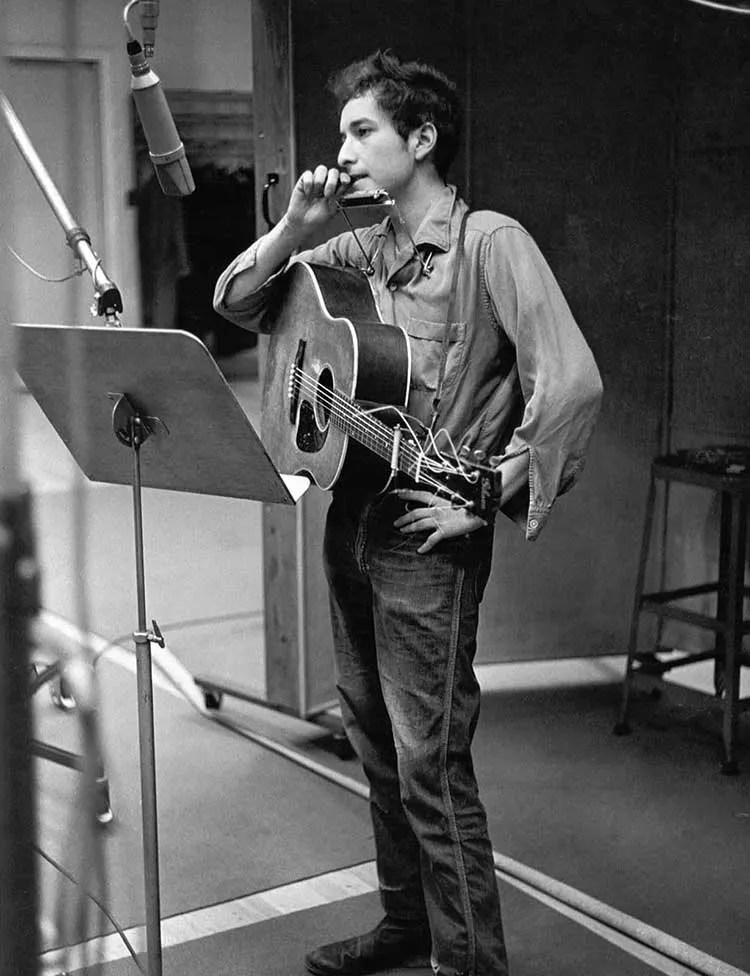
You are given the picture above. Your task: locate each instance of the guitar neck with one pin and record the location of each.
(390, 444)
(371, 432)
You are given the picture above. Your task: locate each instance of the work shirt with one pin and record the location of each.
(519, 375)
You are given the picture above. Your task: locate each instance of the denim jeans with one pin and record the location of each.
(404, 628)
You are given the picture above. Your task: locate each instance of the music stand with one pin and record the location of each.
(148, 408)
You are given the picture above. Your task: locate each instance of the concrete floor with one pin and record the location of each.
(645, 825)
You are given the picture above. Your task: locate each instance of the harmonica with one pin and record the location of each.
(367, 198)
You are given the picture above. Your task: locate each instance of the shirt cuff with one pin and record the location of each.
(529, 508)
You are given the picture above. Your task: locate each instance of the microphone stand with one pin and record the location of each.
(107, 299)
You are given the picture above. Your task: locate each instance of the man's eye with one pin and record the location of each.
(362, 131)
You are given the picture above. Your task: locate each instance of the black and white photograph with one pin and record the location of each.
(374, 488)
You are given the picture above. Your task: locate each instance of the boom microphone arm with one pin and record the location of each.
(107, 300)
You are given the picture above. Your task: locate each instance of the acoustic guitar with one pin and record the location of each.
(332, 364)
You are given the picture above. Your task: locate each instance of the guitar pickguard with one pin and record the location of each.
(309, 437)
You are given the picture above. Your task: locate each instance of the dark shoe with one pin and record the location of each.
(391, 943)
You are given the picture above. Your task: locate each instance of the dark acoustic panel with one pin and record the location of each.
(570, 135)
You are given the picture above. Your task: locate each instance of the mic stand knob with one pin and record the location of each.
(154, 636)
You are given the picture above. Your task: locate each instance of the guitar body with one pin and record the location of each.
(328, 342)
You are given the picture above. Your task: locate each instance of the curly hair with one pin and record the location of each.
(411, 93)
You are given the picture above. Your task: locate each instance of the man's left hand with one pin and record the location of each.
(436, 516)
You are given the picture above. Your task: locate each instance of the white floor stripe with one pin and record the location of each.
(236, 914)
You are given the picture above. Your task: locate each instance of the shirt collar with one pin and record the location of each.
(435, 229)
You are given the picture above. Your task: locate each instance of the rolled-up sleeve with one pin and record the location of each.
(559, 379)
(249, 311)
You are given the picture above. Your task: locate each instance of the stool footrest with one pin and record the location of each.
(662, 596)
(652, 664)
(654, 604)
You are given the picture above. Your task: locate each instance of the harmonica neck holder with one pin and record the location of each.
(378, 198)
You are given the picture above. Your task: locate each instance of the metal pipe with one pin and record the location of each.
(666, 945)
(108, 300)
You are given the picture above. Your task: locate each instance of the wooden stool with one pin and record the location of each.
(728, 625)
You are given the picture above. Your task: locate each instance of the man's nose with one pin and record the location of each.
(345, 154)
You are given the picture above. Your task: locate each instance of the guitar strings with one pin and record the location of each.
(375, 434)
(380, 430)
(456, 466)
(432, 440)
(372, 433)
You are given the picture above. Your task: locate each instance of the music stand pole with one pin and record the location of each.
(136, 431)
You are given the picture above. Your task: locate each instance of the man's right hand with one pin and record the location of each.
(313, 199)
(311, 205)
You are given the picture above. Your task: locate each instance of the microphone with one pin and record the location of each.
(164, 144)
(149, 11)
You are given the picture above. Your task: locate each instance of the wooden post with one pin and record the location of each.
(299, 659)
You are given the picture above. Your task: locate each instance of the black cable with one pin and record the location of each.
(102, 908)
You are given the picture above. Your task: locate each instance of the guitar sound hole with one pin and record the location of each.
(324, 398)
(314, 416)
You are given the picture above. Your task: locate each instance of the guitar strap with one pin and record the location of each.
(452, 299)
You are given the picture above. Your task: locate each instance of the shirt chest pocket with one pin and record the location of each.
(426, 342)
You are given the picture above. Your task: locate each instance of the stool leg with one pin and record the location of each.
(730, 612)
(622, 727)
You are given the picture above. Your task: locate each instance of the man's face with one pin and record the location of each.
(372, 151)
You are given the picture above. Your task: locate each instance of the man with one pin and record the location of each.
(500, 369)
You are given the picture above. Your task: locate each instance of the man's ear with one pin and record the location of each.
(424, 140)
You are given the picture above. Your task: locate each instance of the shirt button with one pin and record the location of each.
(534, 523)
